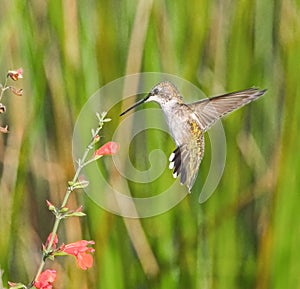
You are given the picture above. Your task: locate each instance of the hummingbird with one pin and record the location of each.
(188, 123)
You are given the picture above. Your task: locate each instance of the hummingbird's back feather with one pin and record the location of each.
(209, 110)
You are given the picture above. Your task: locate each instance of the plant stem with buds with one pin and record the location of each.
(59, 216)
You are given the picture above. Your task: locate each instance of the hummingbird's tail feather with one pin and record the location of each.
(185, 160)
(175, 162)
(209, 110)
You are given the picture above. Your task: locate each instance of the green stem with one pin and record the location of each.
(69, 190)
(3, 88)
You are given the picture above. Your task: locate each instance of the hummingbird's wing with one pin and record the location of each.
(186, 158)
(209, 110)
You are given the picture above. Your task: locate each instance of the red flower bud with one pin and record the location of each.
(2, 108)
(4, 129)
(15, 74)
(96, 138)
(16, 91)
(55, 241)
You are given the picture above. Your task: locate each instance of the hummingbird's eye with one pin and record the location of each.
(155, 91)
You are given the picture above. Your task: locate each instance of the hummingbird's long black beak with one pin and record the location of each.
(136, 104)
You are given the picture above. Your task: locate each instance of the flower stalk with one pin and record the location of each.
(81, 249)
(81, 164)
(13, 75)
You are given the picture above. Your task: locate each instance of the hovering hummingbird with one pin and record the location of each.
(189, 122)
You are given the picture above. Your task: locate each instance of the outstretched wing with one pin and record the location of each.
(209, 110)
(186, 158)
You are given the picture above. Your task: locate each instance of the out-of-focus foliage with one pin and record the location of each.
(247, 234)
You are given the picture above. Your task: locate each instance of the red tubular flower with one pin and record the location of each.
(81, 251)
(109, 148)
(15, 74)
(45, 280)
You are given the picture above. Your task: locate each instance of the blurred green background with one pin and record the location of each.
(247, 234)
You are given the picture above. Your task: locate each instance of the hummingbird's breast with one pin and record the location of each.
(183, 123)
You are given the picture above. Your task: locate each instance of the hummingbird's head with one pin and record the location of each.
(163, 93)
